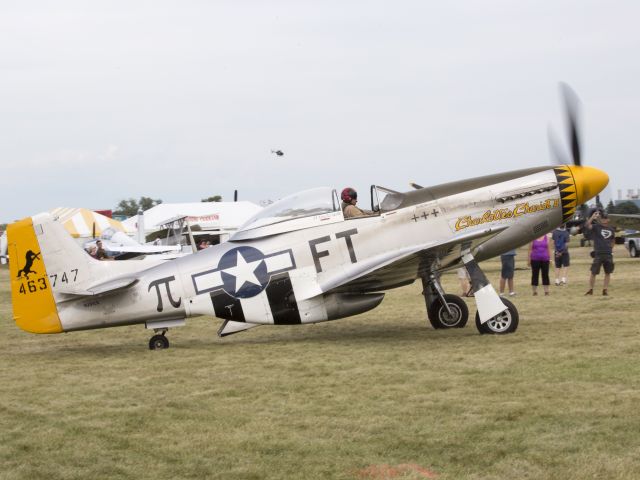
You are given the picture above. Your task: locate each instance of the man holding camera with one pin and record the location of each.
(603, 240)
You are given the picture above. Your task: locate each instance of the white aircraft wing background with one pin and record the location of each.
(141, 248)
(625, 215)
(3, 248)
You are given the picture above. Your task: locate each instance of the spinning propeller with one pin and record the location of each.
(572, 106)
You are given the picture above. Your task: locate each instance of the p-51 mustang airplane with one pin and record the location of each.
(300, 261)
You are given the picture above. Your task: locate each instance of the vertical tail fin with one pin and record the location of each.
(49, 265)
(34, 308)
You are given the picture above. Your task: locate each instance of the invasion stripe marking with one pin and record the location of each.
(227, 307)
(282, 300)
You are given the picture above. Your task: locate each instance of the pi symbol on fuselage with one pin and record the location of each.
(243, 272)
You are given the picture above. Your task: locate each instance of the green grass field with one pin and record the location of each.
(380, 395)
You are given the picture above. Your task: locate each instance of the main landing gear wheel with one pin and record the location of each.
(158, 342)
(633, 251)
(440, 318)
(505, 322)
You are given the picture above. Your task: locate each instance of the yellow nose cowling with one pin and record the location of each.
(589, 182)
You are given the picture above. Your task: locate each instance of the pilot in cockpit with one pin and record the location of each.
(349, 199)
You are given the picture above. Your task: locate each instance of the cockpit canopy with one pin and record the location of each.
(309, 208)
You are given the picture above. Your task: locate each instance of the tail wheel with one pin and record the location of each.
(505, 322)
(158, 342)
(440, 318)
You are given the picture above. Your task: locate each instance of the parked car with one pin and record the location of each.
(632, 242)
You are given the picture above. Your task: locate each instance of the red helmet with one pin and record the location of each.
(348, 194)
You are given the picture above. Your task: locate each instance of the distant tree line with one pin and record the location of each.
(131, 206)
(624, 208)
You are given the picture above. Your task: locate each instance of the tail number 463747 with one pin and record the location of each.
(65, 278)
(32, 286)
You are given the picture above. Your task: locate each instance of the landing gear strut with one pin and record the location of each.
(159, 342)
(443, 309)
(494, 315)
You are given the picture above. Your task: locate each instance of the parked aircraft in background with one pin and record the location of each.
(121, 246)
(300, 261)
(3, 248)
(214, 220)
(625, 215)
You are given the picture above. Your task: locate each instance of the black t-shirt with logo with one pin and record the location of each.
(603, 237)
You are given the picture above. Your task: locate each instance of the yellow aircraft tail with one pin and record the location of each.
(34, 307)
(49, 271)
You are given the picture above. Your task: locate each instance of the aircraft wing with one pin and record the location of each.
(403, 267)
(142, 248)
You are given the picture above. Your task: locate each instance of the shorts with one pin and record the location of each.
(562, 259)
(602, 259)
(508, 266)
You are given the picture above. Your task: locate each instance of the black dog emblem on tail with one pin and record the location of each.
(29, 258)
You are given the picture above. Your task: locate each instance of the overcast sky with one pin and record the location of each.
(101, 101)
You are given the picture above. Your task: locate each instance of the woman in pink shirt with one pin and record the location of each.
(539, 256)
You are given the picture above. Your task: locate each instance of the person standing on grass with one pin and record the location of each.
(561, 259)
(539, 255)
(603, 240)
(508, 261)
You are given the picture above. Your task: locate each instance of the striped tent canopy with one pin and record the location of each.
(80, 222)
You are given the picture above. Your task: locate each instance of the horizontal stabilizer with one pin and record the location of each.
(230, 327)
(112, 286)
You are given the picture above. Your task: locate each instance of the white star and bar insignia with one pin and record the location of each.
(243, 272)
